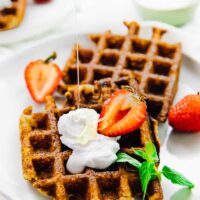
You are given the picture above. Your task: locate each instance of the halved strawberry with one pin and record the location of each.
(122, 113)
(42, 78)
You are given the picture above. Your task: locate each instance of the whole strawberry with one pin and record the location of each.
(185, 115)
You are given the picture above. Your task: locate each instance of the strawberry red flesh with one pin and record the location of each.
(42, 79)
(122, 113)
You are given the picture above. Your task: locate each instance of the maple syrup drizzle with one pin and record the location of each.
(77, 53)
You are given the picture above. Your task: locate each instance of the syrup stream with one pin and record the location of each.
(77, 51)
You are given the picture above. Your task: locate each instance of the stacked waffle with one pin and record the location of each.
(44, 161)
(150, 67)
(154, 63)
(11, 17)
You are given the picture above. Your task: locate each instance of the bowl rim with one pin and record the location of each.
(190, 4)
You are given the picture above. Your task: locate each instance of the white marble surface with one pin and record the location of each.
(95, 16)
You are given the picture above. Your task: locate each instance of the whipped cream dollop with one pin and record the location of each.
(90, 149)
(5, 3)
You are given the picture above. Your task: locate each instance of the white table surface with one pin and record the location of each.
(96, 16)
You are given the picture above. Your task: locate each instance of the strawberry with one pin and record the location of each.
(42, 78)
(122, 113)
(185, 115)
(41, 1)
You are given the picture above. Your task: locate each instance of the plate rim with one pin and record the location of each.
(42, 43)
(173, 30)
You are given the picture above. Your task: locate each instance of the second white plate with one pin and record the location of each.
(39, 18)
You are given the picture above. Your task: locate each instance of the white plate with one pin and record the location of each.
(179, 151)
(39, 18)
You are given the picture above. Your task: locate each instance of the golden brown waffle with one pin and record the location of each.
(94, 95)
(11, 17)
(154, 63)
(44, 161)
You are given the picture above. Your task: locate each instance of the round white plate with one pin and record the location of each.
(180, 151)
(39, 18)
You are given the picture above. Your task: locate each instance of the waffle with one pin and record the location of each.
(154, 63)
(94, 95)
(44, 161)
(11, 17)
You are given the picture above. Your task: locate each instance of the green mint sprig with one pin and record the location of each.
(123, 157)
(148, 170)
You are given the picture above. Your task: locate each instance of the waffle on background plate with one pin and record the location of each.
(155, 65)
(44, 160)
(12, 16)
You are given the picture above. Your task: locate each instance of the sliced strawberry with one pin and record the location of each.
(122, 113)
(42, 78)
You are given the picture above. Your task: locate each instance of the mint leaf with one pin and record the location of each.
(176, 178)
(147, 172)
(140, 153)
(123, 157)
(151, 152)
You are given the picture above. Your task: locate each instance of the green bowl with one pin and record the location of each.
(176, 16)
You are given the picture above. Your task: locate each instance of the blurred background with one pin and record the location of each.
(44, 19)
